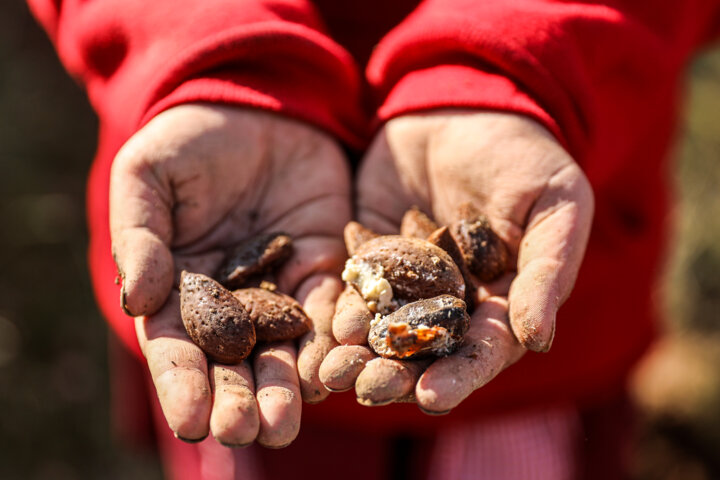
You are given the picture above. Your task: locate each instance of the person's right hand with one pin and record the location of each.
(196, 180)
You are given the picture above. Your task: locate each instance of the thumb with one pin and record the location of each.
(141, 230)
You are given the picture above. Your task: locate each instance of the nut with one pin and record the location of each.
(276, 316)
(214, 319)
(416, 224)
(485, 254)
(443, 239)
(414, 282)
(254, 257)
(355, 235)
(434, 326)
(413, 268)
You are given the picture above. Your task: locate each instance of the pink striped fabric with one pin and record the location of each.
(540, 445)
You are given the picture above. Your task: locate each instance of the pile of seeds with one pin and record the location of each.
(419, 285)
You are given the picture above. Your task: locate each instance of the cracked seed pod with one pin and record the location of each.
(255, 256)
(391, 270)
(276, 316)
(355, 234)
(416, 224)
(214, 319)
(433, 326)
(444, 239)
(485, 254)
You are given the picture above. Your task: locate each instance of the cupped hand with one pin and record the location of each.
(192, 182)
(537, 199)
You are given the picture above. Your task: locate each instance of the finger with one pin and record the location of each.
(351, 322)
(550, 256)
(179, 371)
(385, 381)
(318, 294)
(141, 230)
(234, 421)
(278, 394)
(489, 347)
(342, 365)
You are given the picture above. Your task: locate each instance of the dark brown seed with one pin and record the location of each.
(255, 255)
(433, 326)
(443, 239)
(416, 224)
(355, 235)
(214, 319)
(485, 254)
(276, 316)
(262, 280)
(414, 268)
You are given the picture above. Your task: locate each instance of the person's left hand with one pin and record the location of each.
(538, 201)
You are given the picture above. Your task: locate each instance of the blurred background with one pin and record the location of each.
(54, 390)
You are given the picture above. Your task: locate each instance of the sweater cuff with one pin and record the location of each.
(281, 67)
(462, 86)
(291, 99)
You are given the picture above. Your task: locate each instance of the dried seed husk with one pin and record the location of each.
(485, 254)
(414, 268)
(432, 326)
(214, 319)
(355, 234)
(276, 316)
(254, 256)
(443, 239)
(416, 224)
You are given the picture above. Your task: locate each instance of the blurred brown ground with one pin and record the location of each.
(54, 392)
(677, 387)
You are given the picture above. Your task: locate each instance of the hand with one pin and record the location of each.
(537, 200)
(198, 179)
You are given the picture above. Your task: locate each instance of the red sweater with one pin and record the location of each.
(603, 77)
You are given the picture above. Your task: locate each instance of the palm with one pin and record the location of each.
(536, 199)
(193, 182)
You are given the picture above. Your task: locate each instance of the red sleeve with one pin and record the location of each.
(138, 57)
(562, 63)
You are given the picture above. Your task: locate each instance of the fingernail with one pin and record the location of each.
(337, 390)
(233, 445)
(277, 447)
(123, 302)
(371, 403)
(432, 413)
(189, 440)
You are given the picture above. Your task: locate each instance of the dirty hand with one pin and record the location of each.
(196, 180)
(537, 200)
